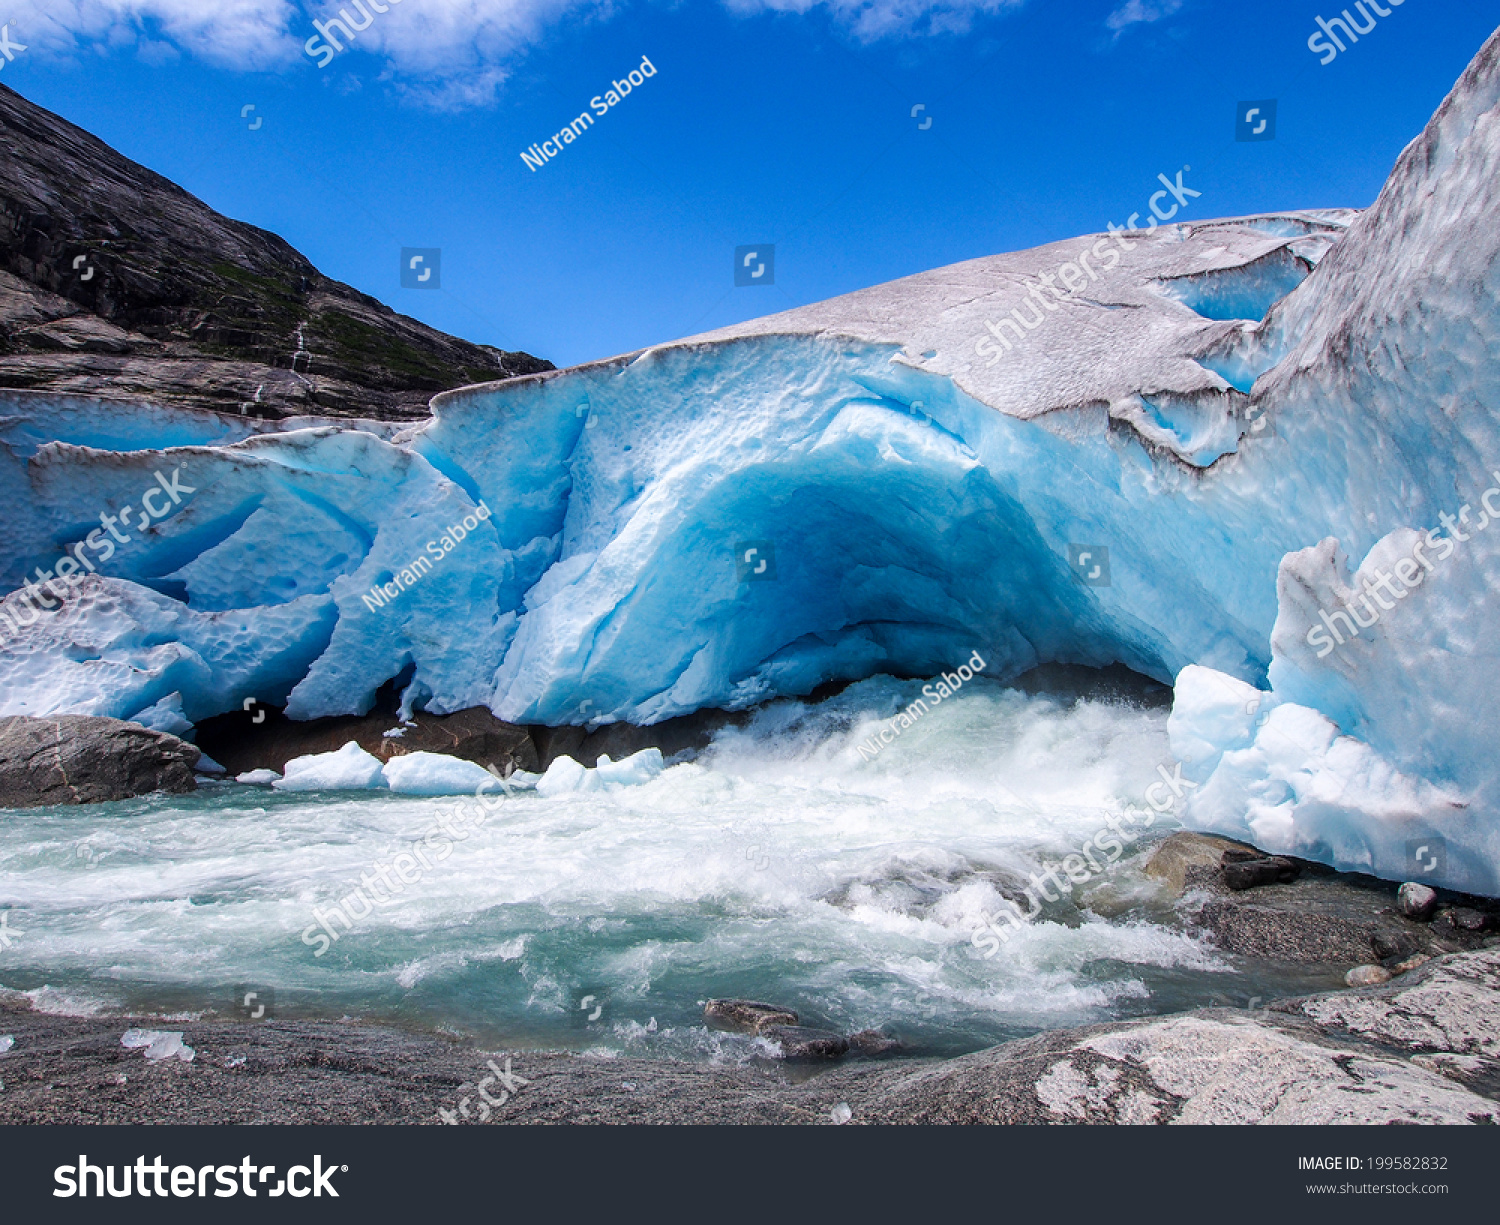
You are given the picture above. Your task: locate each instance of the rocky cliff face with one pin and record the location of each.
(176, 303)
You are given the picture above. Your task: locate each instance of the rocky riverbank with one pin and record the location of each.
(1424, 1048)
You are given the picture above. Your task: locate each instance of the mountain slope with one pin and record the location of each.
(185, 306)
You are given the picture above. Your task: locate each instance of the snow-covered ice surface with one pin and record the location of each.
(871, 484)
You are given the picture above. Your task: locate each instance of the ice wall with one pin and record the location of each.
(1389, 393)
(909, 504)
(604, 582)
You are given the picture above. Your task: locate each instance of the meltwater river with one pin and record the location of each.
(779, 865)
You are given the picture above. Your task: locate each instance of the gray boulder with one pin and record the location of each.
(1416, 901)
(746, 1016)
(1242, 872)
(1185, 858)
(801, 1042)
(1367, 976)
(83, 759)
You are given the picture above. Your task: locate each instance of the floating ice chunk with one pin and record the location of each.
(158, 1044)
(259, 778)
(522, 780)
(165, 716)
(638, 768)
(6, 1042)
(566, 776)
(436, 774)
(349, 769)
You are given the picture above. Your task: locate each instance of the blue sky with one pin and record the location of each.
(768, 121)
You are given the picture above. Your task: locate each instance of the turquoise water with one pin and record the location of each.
(781, 865)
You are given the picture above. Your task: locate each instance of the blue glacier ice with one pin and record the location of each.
(1234, 410)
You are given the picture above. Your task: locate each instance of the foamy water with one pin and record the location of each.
(779, 865)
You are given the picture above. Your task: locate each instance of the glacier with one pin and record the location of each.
(1227, 414)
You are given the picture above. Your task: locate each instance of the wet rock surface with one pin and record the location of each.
(1253, 872)
(874, 1043)
(1185, 857)
(746, 1016)
(1319, 916)
(804, 1042)
(240, 744)
(83, 759)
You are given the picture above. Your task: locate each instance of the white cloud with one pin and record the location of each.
(450, 54)
(455, 54)
(1140, 12)
(873, 19)
(234, 33)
